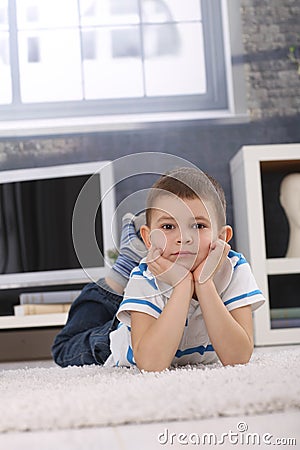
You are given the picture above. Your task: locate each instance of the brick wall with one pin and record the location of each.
(270, 27)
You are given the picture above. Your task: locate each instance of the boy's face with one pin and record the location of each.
(186, 230)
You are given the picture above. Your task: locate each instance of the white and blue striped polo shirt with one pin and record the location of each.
(235, 284)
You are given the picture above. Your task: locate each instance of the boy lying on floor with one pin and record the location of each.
(189, 301)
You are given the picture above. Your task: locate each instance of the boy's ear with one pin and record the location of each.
(145, 233)
(226, 233)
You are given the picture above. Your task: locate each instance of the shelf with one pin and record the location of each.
(280, 166)
(33, 321)
(256, 174)
(281, 266)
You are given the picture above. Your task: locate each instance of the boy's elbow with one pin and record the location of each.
(151, 368)
(150, 363)
(237, 359)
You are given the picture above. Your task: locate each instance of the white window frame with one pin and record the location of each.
(91, 120)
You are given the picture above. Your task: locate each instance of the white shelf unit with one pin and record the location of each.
(247, 169)
(66, 277)
(33, 321)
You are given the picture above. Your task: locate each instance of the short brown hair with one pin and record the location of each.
(188, 183)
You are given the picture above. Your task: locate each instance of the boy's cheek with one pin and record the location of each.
(204, 243)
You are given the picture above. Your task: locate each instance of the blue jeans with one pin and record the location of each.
(85, 337)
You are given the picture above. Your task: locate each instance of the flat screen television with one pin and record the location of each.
(56, 227)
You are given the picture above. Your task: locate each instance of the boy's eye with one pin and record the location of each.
(199, 226)
(168, 226)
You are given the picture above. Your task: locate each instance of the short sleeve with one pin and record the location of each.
(243, 289)
(141, 294)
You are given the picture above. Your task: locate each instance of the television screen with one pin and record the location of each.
(36, 224)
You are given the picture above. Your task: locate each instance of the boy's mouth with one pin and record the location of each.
(183, 253)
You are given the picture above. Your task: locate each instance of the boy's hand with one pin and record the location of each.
(165, 270)
(218, 252)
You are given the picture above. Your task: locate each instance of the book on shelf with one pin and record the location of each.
(285, 323)
(285, 313)
(48, 297)
(31, 309)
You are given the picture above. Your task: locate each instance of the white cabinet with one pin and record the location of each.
(57, 224)
(33, 321)
(261, 233)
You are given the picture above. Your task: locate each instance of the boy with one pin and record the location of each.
(191, 300)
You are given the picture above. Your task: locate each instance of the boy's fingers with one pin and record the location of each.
(158, 239)
(217, 255)
(153, 254)
(226, 248)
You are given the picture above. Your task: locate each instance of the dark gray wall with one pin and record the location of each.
(210, 147)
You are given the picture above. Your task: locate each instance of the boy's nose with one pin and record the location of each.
(185, 238)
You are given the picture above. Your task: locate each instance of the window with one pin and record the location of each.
(104, 57)
(5, 78)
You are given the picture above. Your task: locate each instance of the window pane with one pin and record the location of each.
(171, 10)
(94, 50)
(109, 12)
(3, 15)
(5, 77)
(50, 66)
(174, 59)
(112, 63)
(32, 14)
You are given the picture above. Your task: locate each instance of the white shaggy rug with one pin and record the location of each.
(75, 397)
